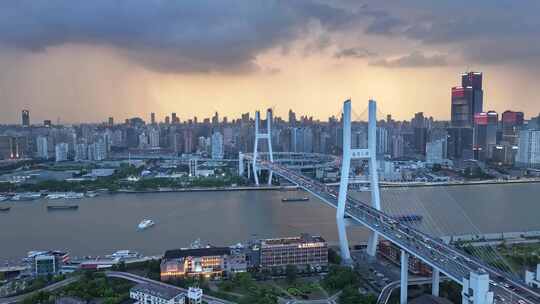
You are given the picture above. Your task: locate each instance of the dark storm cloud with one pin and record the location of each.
(415, 59)
(482, 31)
(216, 35)
(355, 52)
(188, 35)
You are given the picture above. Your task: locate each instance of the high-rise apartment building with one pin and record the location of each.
(217, 146)
(61, 152)
(529, 149)
(25, 116)
(436, 151)
(42, 147)
(81, 152)
(512, 122)
(174, 118)
(153, 137)
(485, 134)
(467, 100)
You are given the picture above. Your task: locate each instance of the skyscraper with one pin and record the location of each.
(529, 149)
(511, 124)
(42, 147)
(61, 152)
(419, 133)
(467, 100)
(25, 118)
(485, 134)
(153, 118)
(111, 121)
(217, 146)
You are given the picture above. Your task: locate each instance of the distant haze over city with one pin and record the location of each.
(86, 62)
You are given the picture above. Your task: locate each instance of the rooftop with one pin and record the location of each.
(159, 291)
(304, 238)
(198, 252)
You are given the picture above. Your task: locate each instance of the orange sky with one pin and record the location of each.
(82, 83)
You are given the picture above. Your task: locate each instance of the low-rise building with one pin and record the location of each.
(48, 262)
(393, 253)
(208, 262)
(156, 294)
(195, 295)
(533, 278)
(305, 252)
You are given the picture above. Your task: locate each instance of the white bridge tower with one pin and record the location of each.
(348, 153)
(268, 136)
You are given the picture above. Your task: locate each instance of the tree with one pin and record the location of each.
(333, 257)
(291, 273)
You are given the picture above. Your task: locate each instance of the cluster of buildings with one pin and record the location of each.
(471, 134)
(306, 252)
(146, 293)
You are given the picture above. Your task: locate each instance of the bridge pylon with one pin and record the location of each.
(262, 136)
(348, 153)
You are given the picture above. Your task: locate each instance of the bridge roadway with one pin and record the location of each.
(452, 262)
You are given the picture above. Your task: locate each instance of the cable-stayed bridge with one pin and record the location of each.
(482, 283)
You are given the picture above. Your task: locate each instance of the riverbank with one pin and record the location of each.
(461, 183)
(209, 189)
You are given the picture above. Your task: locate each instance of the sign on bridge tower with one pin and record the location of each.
(348, 154)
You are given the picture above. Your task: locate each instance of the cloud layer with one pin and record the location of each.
(412, 60)
(184, 36)
(214, 35)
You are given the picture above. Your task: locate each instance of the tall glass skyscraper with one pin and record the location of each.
(467, 100)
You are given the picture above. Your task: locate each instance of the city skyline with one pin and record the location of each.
(308, 56)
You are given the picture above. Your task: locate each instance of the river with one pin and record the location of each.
(108, 223)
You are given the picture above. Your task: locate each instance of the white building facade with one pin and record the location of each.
(42, 147)
(61, 152)
(156, 294)
(217, 145)
(529, 148)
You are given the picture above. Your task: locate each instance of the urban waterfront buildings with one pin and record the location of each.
(217, 145)
(309, 253)
(61, 151)
(305, 252)
(529, 148)
(145, 293)
(206, 262)
(42, 147)
(25, 118)
(471, 134)
(467, 100)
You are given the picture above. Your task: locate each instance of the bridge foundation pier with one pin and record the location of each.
(240, 164)
(435, 281)
(404, 283)
(476, 289)
(372, 244)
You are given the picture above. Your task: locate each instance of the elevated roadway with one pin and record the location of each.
(452, 262)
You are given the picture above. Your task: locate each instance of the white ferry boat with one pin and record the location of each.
(3, 198)
(91, 194)
(65, 195)
(74, 195)
(54, 196)
(124, 254)
(146, 223)
(27, 196)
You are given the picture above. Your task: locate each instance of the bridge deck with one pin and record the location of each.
(454, 263)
